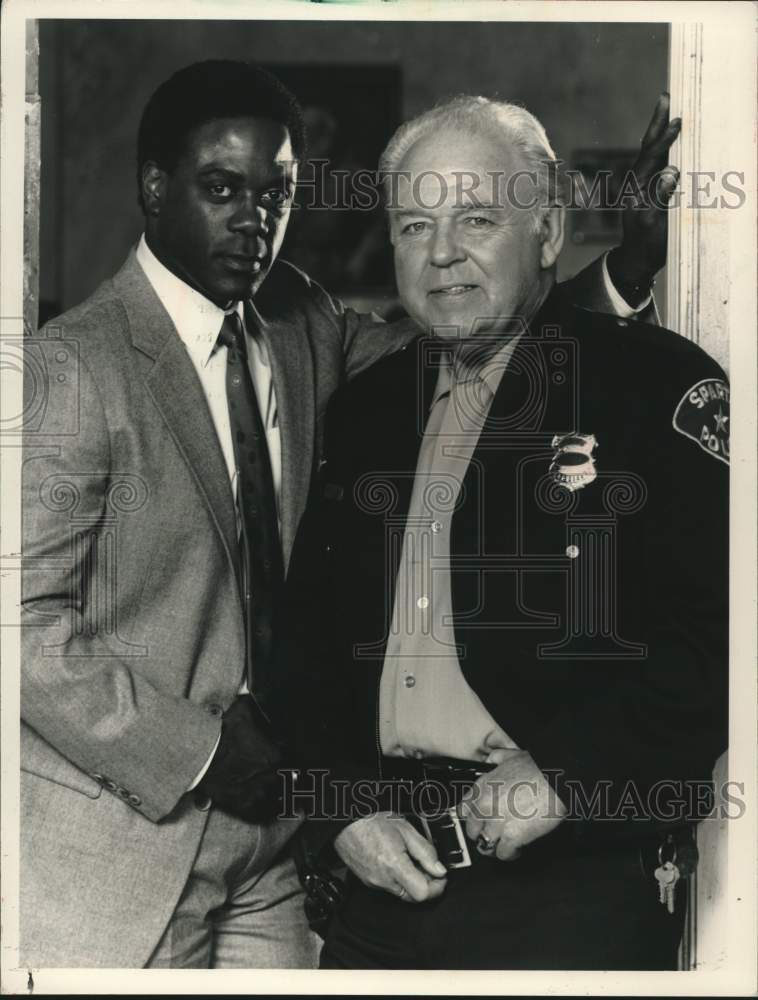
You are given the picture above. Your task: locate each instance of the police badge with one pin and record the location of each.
(573, 465)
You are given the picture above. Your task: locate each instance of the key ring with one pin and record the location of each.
(672, 859)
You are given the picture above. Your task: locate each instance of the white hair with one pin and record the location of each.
(469, 113)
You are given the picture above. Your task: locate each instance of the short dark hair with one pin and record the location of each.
(203, 92)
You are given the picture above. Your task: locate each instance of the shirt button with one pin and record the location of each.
(410, 681)
(135, 800)
(423, 603)
(572, 551)
(436, 527)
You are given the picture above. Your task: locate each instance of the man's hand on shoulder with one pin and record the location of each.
(385, 852)
(511, 806)
(632, 266)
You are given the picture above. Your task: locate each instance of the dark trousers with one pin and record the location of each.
(590, 910)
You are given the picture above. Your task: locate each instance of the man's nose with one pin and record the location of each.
(250, 219)
(445, 249)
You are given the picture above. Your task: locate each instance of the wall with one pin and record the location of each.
(593, 86)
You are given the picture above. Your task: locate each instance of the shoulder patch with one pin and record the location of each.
(703, 416)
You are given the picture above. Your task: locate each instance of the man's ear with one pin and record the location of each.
(551, 234)
(154, 183)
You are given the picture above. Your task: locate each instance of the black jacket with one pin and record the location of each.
(610, 667)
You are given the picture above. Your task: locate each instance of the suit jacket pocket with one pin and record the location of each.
(41, 759)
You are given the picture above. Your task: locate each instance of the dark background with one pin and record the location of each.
(593, 86)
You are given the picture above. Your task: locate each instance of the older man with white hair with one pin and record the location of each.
(520, 621)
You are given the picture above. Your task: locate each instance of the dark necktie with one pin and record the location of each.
(261, 557)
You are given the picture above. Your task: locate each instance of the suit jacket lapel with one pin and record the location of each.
(537, 398)
(174, 386)
(292, 374)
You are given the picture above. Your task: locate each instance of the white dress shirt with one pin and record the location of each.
(198, 322)
(620, 306)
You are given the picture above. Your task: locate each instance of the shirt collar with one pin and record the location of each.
(197, 319)
(487, 370)
(491, 371)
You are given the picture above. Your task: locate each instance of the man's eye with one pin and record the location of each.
(478, 221)
(413, 227)
(220, 191)
(276, 197)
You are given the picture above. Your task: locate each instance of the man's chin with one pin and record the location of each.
(463, 327)
(450, 326)
(239, 289)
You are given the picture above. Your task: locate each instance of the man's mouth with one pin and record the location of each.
(452, 291)
(244, 263)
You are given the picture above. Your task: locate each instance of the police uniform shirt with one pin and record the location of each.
(426, 707)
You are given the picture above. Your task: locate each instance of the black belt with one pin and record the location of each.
(439, 785)
(441, 782)
(448, 772)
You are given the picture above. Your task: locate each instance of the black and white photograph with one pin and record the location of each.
(378, 455)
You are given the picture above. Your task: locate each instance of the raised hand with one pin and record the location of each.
(633, 265)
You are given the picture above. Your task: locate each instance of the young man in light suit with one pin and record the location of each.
(172, 435)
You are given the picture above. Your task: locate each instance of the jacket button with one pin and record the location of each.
(202, 802)
(135, 800)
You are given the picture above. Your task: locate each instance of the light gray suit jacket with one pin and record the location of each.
(132, 639)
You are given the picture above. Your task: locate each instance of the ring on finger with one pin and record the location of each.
(485, 844)
(401, 893)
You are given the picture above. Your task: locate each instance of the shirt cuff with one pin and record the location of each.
(620, 306)
(206, 765)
